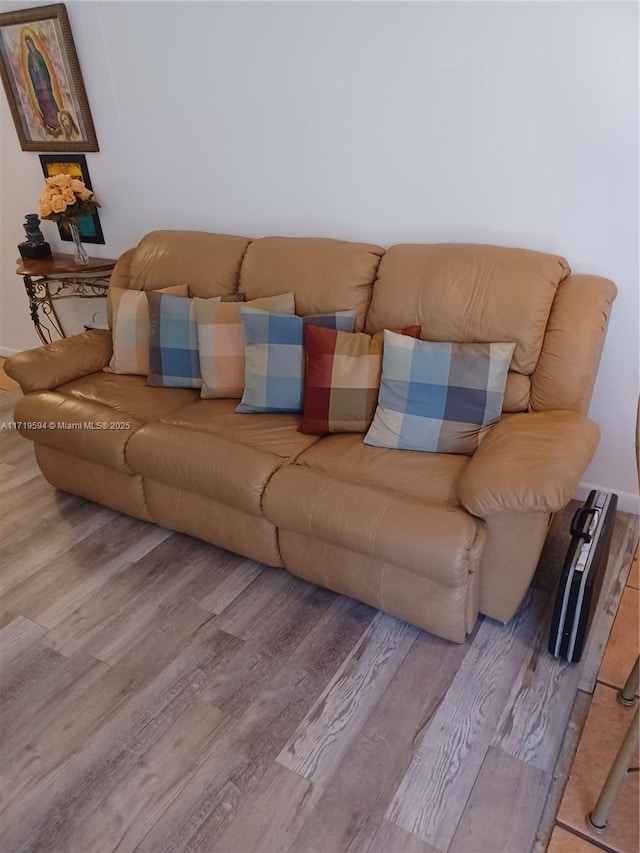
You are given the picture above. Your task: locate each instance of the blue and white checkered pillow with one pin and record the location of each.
(173, 352)
(438, 396)
(275, 357)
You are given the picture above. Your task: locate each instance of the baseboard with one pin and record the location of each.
(5, 352)
(627, 501)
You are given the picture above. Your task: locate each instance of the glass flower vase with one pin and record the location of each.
(79, 253)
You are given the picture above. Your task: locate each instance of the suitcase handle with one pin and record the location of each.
(578, 526)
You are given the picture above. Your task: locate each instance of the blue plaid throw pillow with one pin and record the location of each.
(275, 357)
(438, 396)
(173, 350)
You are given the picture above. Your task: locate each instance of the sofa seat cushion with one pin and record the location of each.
(94, 417)
(447, 611)
(80, 428)
(431, 540)
(209, 449)
(129, 396)
(431, 477)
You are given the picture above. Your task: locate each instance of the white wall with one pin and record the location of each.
(512, 123)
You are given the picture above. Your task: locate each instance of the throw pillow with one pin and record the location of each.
(221, 342)
(274, 357)
(173, 342)
(130, 328)
(342, 379)
(438, 397)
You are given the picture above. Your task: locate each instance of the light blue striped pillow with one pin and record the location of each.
(438, 397)
(173, 351)
(275, 357)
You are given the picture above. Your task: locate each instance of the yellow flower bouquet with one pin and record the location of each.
(66, 198)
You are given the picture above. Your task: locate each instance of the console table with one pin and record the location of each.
(59, 277)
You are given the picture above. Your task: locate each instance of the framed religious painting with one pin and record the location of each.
(42, 81)
(76, 166)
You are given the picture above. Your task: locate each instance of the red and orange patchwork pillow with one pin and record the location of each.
(342, 379)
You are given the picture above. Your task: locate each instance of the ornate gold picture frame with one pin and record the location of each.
(42, 80)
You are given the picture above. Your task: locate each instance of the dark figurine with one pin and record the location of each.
(35, 246)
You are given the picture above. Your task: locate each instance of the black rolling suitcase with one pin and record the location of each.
(582, 575)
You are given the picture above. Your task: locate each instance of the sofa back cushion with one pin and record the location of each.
(325, 275)
(208, 263)
(468, 293)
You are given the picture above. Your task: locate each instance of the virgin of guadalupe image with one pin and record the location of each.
(43, 87)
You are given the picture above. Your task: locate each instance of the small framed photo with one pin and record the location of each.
(76, 166)
(42, 81)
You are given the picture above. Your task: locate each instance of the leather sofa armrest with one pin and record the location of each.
(573, 341)
(46, 367)
(530, 462)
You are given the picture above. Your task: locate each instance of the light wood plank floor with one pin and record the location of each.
(160, 694)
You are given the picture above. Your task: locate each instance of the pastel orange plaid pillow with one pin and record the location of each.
(221, 341)
(131, 329)
(342, 379)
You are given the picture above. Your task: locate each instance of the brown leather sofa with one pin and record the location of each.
(432, 538)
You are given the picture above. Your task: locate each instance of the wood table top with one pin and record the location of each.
(61, 264)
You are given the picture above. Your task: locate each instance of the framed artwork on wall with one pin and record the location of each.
(76, 166)
(42, 81)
